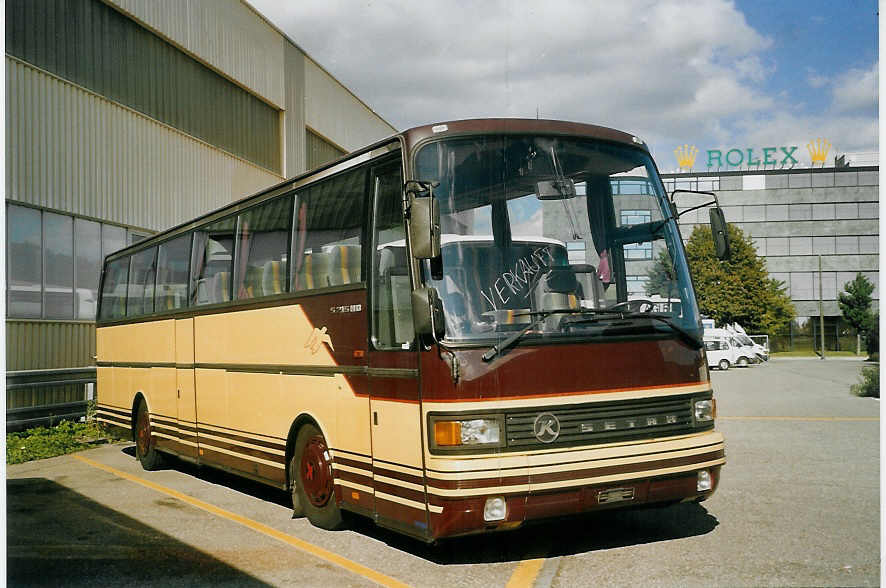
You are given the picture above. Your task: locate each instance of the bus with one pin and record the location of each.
(439, 331)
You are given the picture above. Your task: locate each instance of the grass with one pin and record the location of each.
(869, 383)
(40, 443)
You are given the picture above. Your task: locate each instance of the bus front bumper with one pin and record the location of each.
(562, 483)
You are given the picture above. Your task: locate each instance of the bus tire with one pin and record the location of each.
(742, 362)
(723, 365)
(298, 509)
(149, 457)
(313, 482)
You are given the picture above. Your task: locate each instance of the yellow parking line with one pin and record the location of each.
(526, 573)
(255, 526)
(792, 418)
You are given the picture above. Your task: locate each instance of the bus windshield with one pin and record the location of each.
(549, 234)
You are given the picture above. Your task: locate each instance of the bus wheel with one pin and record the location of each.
(742, 362)
(149, 457)
(313, 480)
(723, 365)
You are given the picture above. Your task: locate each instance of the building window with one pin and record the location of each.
(24, 262)
(54, 263)
(634, 251)
(577, 252)
(636, 285)
(635, 217)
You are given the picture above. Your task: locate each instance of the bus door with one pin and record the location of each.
(186, 412)
(394, 401)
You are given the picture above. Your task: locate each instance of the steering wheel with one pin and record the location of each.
(637, 305)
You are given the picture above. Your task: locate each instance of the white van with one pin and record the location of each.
(719, 351)
(727, 349)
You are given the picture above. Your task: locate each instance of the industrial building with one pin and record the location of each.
(793, 216)
(126, 117)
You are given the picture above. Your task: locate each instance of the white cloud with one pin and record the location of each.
(857, 90)
(668, 70)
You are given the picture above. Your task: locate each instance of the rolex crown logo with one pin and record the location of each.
(686, 155)
(818, 150)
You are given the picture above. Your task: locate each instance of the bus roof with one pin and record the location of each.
(416, 135)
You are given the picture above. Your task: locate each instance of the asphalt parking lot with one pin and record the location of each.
(798, 505)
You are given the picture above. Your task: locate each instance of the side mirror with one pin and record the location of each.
(424, 220)
(427, 313)
(719, 232)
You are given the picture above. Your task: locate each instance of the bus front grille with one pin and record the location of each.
(606, 422)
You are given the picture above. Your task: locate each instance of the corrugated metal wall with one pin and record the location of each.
(226, 34)
(295, 160)
(72, 150)
(32, 345)
(332, 110)
(318, 150)
(97, 47)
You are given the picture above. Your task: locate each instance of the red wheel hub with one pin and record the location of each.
(316, 471)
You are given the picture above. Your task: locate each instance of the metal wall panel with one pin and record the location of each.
(294, 124)
(95, 46)
(332, 111)
(226, 34)
(71, 150)
(32, 345)
(318, 151)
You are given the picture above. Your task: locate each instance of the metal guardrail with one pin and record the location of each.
(49, 414)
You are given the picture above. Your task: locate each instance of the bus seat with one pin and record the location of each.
(590, 285)
(302, 278)
(271, 279)
(220, 287)
(319, 270)
(345, 265)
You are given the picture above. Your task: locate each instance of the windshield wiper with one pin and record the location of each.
(667, 319)
(542, 315)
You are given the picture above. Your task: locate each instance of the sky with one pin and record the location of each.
(711, 73)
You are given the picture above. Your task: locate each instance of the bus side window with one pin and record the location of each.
(213, 262)
(113, 297)
(172, 274)
(327, 237)
(262, 244)
(391, 290)
(142, 274)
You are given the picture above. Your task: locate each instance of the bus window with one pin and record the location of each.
(262, 244)
(213, 262)
(113, 300)
(142, 272)
(328, 232)
(172, 274)
(391, 290)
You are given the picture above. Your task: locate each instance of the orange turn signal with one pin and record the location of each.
(447, 433)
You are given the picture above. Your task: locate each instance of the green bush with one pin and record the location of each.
(869, 386)
(41, 442)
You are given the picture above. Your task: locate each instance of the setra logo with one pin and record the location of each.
(686, 156)
(317, 339)
(546, 427)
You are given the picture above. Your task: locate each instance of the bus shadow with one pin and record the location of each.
(58, 537)
(222, 478)
(557, 537)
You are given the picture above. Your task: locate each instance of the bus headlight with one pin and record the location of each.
(474, 431)
(705, 410)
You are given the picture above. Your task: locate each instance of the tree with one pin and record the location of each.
(661, 277)
(738, 289)
(856, 305)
